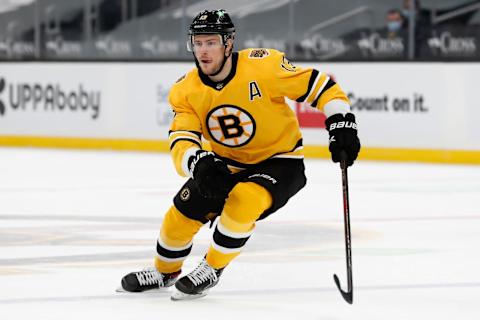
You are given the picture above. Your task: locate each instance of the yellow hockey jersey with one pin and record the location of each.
(245, 117)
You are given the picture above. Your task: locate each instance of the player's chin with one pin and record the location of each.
(208, 69)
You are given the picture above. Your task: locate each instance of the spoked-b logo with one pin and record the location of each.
(48, 98)
(230, 125)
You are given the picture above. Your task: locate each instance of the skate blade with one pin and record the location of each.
(179, 296)
(162, 290)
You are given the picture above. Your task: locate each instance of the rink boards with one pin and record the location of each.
(406, 112)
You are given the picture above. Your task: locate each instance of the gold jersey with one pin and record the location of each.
(245, 117)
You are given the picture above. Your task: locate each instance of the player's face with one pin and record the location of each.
(209, 51)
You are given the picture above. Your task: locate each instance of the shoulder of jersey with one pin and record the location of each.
(187, 78)
(260, 54)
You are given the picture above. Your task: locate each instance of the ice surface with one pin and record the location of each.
(72, 223)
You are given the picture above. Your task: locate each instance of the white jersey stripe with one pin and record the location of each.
(225, 250)
(289, 156)
(169, 248)
(183, 132)
(165, 259)
(312, 89)
(321, 88)
(236, 235)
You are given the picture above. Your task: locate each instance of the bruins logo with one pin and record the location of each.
(230, 126)
(185, 194)
(287, 65)
(258, 53)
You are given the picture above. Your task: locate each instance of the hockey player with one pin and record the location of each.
(236, 101)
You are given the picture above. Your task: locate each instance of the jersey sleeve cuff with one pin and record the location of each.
(186, 156)
(336, 106)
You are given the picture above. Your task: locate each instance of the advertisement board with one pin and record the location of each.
(398, 106)
(87, 100)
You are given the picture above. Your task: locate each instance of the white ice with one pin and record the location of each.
(72, 223)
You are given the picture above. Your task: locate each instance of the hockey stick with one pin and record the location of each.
(348, 296)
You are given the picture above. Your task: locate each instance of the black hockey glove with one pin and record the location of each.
(210, 174)
(343, 137)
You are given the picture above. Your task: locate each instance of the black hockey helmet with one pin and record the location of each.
(212, 22)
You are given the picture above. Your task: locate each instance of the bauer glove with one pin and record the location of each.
(343, 137)
(210, 174)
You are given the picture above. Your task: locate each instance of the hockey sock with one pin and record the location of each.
(246, 202)
(175, 240)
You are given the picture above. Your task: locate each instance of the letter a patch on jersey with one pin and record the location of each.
(254, 91)
(230, 125)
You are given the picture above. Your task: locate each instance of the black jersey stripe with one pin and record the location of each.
(228, 242)
(163, 252)
(241, 165)
(198, 134)
(236, 164)
(329, 84)
(185, 139)
(313, 76)
(297, 145)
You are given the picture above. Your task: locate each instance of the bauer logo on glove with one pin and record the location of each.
(343, 137)
(342, 124)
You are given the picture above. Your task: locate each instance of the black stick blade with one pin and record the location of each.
(348, 296)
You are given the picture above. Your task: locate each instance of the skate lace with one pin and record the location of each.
(202, 273)
(149, 276)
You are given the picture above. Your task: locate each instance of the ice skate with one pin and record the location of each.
(197, 283)
(147, 279)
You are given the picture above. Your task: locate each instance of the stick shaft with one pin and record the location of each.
(346, 215)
